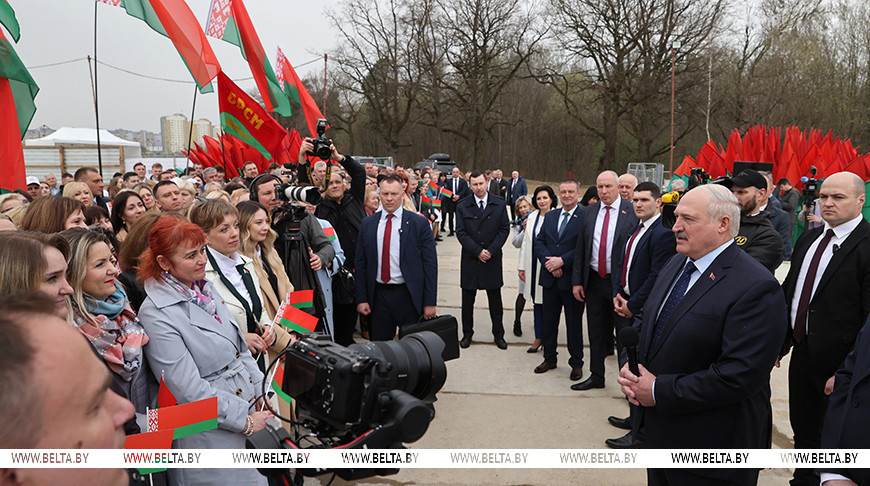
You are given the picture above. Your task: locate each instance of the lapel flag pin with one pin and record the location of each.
(712, 277)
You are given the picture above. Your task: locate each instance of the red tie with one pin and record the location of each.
(385, 251)
(627, 253)
(800, 319)
(602, 246)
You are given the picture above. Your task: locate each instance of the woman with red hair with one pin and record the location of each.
(198, 347)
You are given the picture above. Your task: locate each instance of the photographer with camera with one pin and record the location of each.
(345, 210)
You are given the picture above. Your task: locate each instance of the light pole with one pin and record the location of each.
(675, 45)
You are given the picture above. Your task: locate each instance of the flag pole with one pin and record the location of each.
(94, 88)
(190, 130)
(223, 151)
(324, 86)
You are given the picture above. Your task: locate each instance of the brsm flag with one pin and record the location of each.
(245, 119)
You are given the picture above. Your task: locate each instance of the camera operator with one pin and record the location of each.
(320, 251)
(345, 210)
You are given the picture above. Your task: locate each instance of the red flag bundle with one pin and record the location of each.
(245, 119)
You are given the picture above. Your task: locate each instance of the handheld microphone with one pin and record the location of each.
(629, 339)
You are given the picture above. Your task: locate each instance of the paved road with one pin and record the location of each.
(492, 399)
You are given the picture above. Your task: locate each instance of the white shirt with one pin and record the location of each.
(563, 220)
(841, 232)
(611, 233)
(478, 200)
(395, 263)
(646, 225)
(227, 266)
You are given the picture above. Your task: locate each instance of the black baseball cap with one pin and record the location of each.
(746, 178)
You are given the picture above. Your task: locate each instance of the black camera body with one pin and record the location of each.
(321, 143)
(519, 221)
(811, 187)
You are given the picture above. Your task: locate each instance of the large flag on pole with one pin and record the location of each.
(229, 20)
(8, 20)
(174, 19)
(296, 91)
(245, 119)
(17, 91)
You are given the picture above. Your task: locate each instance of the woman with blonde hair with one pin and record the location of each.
(147, 194)
(53, 214)
(35, 261)
(257, 242)
(220, 194)
(80, 192)
(11, 200)
(240, 195)
(188, 195)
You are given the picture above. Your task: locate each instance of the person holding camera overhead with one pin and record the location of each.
(344, 209)
(198, 347)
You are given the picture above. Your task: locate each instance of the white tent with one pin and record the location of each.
(79, 136)
(69, 148)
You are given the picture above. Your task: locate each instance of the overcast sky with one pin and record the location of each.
(54, 31)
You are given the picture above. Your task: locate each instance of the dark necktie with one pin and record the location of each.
(676, 296)
(481, 205)
(563, 224)
(627, 254)
(800, 320)
(256, 305)
(455, 185)
(602, 245)
(385, 251)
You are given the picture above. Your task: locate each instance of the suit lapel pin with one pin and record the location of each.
(712, 277)
(623, 211)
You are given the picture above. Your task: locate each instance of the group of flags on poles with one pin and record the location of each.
(227, 20)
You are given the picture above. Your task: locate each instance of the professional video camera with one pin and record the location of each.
(697, 177)
(376, 395)
(811, 187)
(321, 143)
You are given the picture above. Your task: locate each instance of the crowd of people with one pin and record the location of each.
(178, 276)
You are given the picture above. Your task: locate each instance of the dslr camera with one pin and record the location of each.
(321, 143)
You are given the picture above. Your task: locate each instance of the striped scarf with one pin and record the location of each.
(199, 295)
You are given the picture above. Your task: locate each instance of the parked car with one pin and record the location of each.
(440, 162)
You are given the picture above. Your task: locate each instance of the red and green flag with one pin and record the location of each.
(245, 119)
(165, 398)
(187, 419)
(296, 91)
(330, 232)
(302, 299)
(8, 20)
(161, 439)
(436, 203)
(295, 319)
(434, 187)
(425, 201)
(174, 19)
(277, 380)
(17, 91)
(228, 20)
(445, 191)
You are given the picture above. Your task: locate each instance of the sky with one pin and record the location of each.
(54, 31)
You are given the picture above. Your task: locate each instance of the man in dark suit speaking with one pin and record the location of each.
(711, 330)
(396, 268)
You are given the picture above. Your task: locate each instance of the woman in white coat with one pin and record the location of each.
(235, 279)
(543, 200)
(198, 348)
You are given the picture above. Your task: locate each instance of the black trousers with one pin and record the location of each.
(344, 321)
(601, 321)
(554, 300)
(621, 323)
(496, 311)
(392, 307)
(807, 404)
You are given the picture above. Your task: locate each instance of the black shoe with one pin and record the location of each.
(627, 441)
(450, 234)
(465, 342)
(500, 342)
(439, 238)
(533, 350)
(620, 423)
(545, 367)
(518, 329)
(576, 374)
(587, 384)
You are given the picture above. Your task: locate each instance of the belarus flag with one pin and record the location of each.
(17, 91)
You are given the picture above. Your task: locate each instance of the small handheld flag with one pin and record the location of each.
(295, 319)
(165, 398)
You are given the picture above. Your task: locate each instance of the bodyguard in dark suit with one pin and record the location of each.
(482, 228)
(710, 333)
(555, 249)
(516, 189)
(610, 220)
(828, 291)
(460, 190)
(640, 258)
(847, 419)
(396, 269)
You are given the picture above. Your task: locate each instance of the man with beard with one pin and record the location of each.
(756, 236)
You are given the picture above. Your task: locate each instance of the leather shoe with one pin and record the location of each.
(576, 374)
(465, 342)
(587, 384)
(545, 367)
(533, 350)
(450, 234)
(518, 329)
(620, 423)
(500, 342)
(627, 441)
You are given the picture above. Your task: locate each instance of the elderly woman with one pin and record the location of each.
(235, 277)
(198, 346)
(522, 208)
(35, 261)
(53, 214)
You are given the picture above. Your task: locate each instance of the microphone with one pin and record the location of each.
(835, 248)
(629, 339)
